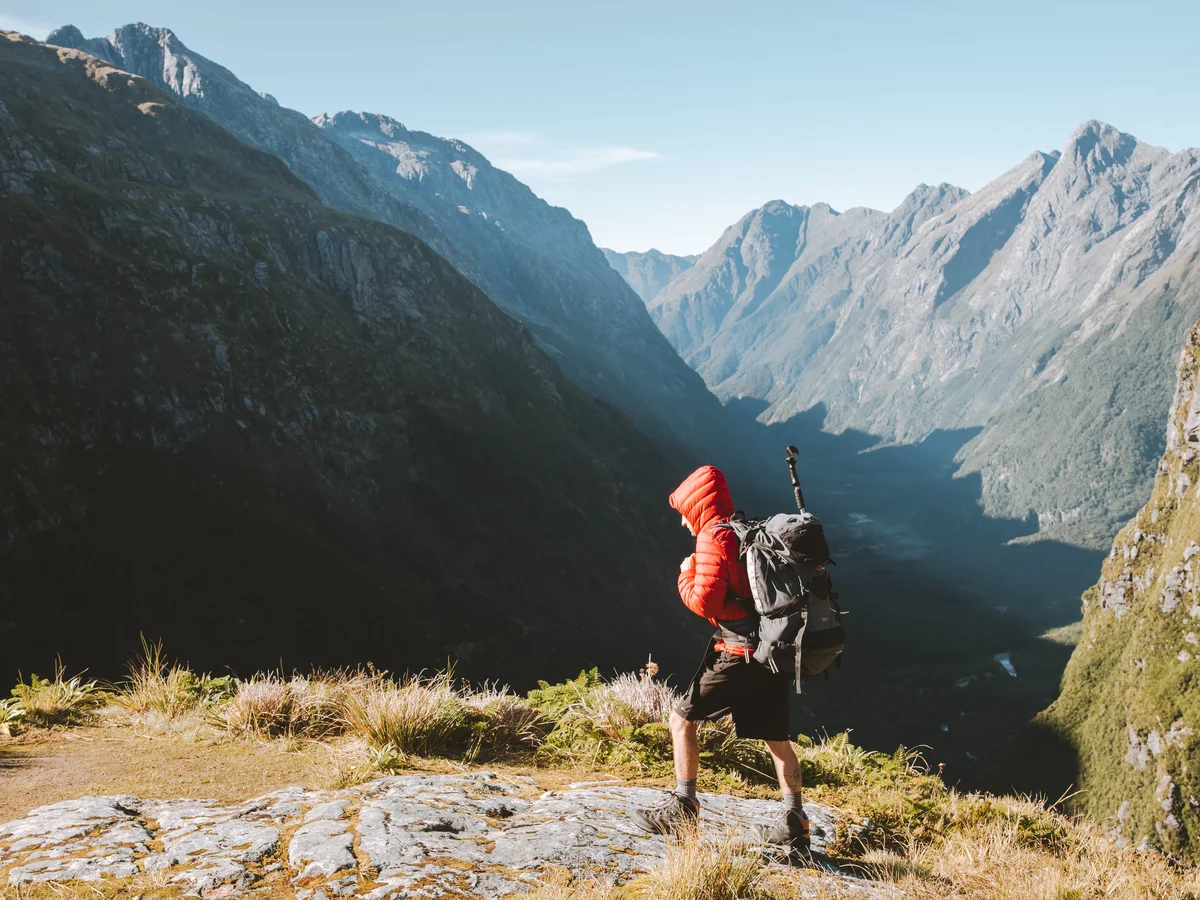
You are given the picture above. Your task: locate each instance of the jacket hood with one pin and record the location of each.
(703, 498)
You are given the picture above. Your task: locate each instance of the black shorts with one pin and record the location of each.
(756, 697)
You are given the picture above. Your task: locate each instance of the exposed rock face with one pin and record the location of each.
(262, 429)
(1129, 704)
(1045, 308)
(536, 261)
(472, 835)
(648, 273)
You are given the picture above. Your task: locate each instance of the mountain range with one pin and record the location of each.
(266, 430)
(331, 389)
(1043, 310)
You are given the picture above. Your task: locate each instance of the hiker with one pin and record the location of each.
(713, 583)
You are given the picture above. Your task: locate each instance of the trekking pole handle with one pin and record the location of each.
(793, 456)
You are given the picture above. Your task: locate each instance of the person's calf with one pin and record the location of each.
(685, 747)
(787, 767)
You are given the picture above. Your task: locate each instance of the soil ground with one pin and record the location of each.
(51, 766)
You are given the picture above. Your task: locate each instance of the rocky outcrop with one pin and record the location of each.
(473, 835)
(536, 261)
(262, 429)
(648, 273)
(1045, 309)
(1129, 705)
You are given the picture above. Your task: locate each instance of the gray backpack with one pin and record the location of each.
(799, 621)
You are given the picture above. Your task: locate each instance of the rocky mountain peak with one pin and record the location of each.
(66, 36)
(1097, 146)
(649, 272)
(778, 208)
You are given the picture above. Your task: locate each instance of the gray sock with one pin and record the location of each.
(686, 788)
(793, 802)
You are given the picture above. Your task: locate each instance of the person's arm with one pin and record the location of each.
(702, 587)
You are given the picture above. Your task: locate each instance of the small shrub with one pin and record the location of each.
(10, 716)
(386, 759)
(56, 701)
(419, 716)
(553, 700)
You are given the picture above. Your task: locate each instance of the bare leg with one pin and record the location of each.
(687, 748)
(787, 767)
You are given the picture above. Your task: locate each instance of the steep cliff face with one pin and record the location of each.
(1130, 706)
(1045, 308)
(649, 272)
(266, 430)
(536, 261)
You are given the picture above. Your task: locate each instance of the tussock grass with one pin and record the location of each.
(421, 715)
(46, 702)
(157, 691)
(628, 702)
(269, 705)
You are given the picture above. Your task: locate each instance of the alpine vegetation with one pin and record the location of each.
(1130, 708)
(397, 748)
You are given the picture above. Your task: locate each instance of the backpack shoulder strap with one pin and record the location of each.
(739, 529)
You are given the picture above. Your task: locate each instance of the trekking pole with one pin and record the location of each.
(793, 456)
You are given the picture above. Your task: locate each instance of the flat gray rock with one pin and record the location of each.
(410, 836)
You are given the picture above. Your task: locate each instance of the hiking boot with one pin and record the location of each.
(669, 816)
(790, 831)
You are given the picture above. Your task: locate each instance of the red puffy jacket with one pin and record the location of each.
(710, 587)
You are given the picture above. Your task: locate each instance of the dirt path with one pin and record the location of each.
(102, 761)
(98, 761)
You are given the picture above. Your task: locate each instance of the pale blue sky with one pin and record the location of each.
(659, 123)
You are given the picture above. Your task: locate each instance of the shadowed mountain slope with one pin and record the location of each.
(1045, 307)
(274, 433)
(536, 261)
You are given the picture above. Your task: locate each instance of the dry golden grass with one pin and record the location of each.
(312, 706)
(159, 696)
(997, 860)
(700, 869)
(696, 868)
(417, 716)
